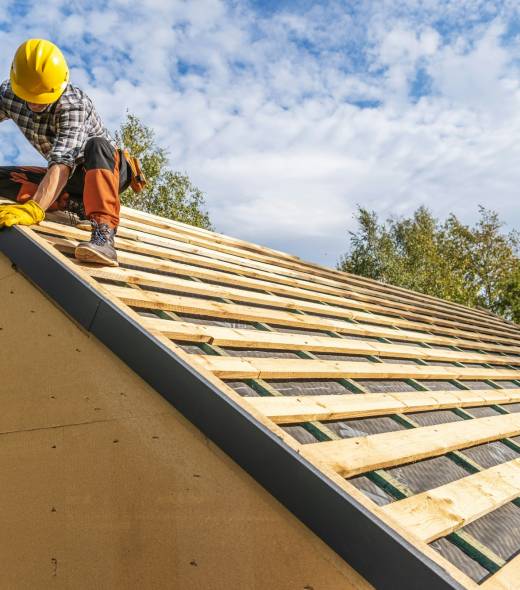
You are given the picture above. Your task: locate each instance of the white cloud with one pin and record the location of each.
(265, 116)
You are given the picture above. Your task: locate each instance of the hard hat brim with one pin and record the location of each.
(45, 98)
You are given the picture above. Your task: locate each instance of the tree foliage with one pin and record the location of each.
(476, 266)
(169, 194)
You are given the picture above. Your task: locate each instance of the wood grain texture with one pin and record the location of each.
(244, 338)
(445, 509)
(352, 456)
(307, 408)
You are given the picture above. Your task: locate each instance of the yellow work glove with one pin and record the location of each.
(27, 214)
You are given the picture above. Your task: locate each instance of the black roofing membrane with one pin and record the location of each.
(191, 348)
(434, 417)
(363, 426)
(482, 412)
(326, 356)
(476, 384)
(299, 331)
(491, 454)
(243, 389)
(513, 408)
(441, 364)
(438, 385)
(239, 301)
(427, 474)
(508, 384)
(308, 387)
(249, 352)
(300, 434)
(498, 530)
(460, 560)
(384, 385)
(371, 490)
(208, 321)
(399, 361)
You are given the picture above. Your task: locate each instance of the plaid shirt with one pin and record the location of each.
(61, 131)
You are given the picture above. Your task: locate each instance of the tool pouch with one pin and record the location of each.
(138, 179)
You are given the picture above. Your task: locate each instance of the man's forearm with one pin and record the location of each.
(51, 186)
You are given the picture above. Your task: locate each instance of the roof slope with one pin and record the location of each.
(386, 420)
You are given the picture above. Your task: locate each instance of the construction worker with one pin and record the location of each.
(86, 171)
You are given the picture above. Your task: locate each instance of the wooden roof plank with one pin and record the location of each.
(198, 257)
(294, 409)
(191, 230)
(193, 305)
(358, 455)
(243, 295)
(368, 285)
(246, 338)
(440, 511)
(275, 368)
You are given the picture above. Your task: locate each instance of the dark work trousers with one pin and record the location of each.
(97, 182)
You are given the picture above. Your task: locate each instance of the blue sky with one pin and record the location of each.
(288, 114)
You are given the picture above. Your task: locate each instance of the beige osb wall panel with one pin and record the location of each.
(107, 487)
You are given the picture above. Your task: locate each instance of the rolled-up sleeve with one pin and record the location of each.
(71, 136)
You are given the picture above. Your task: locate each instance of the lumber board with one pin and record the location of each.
(197, 258)
(246, 338)
(210, 238)
(138, 233)
(193, 305)
(243, 295)
(450, 311)
(208, 235)
(349, 457)
(345, 299)
(275, 368)
(147, 262)
(440, 511)
(152, 279)
(185, 269)
(212, 248)
(507, 578)
(282, 259)
(307, 408)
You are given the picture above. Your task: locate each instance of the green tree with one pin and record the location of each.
(509, 301)
(169, 194)
(475, 266)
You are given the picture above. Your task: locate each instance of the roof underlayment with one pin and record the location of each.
(386, 420)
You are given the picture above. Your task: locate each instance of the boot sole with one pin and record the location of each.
(88, 255)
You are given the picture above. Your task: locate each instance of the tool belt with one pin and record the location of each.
(138, 179)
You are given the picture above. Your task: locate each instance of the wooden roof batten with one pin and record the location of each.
(241, 305)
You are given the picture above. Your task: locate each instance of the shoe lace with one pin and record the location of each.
(100, 233)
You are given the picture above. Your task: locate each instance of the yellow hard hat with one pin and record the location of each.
(39, 72)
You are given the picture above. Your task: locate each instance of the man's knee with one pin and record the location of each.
(98, 145)
(99, 153)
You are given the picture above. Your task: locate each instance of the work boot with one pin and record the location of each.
(77, 216)
(100, 249)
